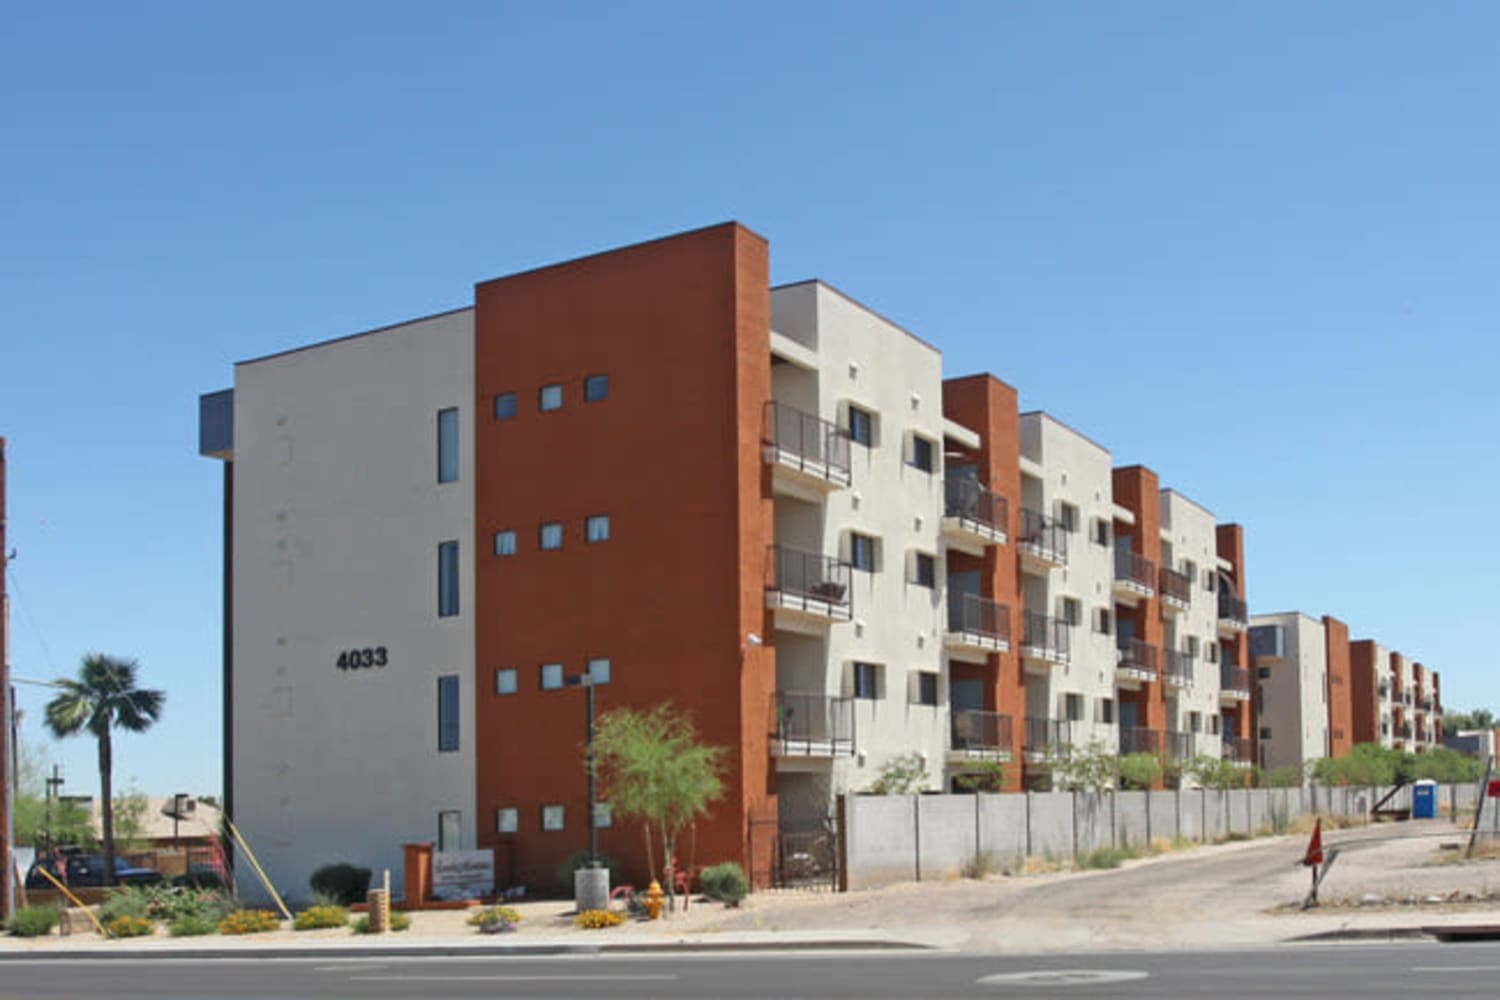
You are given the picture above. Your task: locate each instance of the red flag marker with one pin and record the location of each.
(1314, 855)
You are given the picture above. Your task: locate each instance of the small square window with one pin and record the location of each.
(866, 681)
(552, 676)
(927, 688)
(1072, 610)
(505, 543)
(552, 535)
(505, 405)
(603, 816)
(862, 552)
(921, 453)
(1262, 672)
(925, 570)
(507, 819)
(861, 426)
(596, 528)
(550, 397)
(505, 680)
(1067, 516)
(1265, 732)
(595, 388)
(599, 670)
(552, 818)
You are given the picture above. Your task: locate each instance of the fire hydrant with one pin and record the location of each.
(653, 900)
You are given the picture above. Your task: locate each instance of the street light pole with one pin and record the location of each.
(588, 687)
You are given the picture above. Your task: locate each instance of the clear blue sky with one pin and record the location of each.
(1254, 246)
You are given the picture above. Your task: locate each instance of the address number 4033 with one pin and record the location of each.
(359, 659)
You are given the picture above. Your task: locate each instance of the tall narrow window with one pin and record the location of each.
(861, 426)
(862, 552)
(447, 579)
(450, 830)
(924, 570)
(866, 680)
(448, 713)
(921, 453)
(448, 445)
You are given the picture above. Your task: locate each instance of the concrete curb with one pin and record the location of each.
(1364, 934)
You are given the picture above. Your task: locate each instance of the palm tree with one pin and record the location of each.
(102, 697)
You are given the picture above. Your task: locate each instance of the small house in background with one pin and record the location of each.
(178, 834)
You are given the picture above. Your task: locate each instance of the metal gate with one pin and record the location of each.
(800, 853)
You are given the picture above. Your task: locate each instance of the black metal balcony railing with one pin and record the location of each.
(975, 730)
(1231, 608)
(1175, 586)
(1232, 678)
(813, 723)
(1045, 636)
(806, 441)
(808, 575)
(1177, 667)
(1047, 735)
(1134, 654)
(970, 613)
(1135, 739)
(1237, 749)
(1134, 568)
(1406, 730)
(964, 498)
(1042, 536)
(1385, 689)
(1180, 745)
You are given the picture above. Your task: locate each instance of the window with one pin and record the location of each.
(1209, 579)
(505, 405)
(866, 681)
(1107, 711)
(1262, 672)
(448, 445)
(1212, 656)
(926, 692)
(604, 817)
(1072, 610)
(505, 680)
(924, 570)
(450, 830)
(862, 552)
(1067, 516)
(1213, 725)
(550, 397)
(447, 579)
(551, 535)
(552, 818)
(448, 713)
(505, 543)
(1073, 707)
(507, 819)
(861, 426)
(599, 670)
(1191, 645)
(1190, 570)
(551, 676)
(1195, 722)
(921, 453)
(1101, 532)
(596, 529)
(1265, 732)
(1102, 623)
(595, 388)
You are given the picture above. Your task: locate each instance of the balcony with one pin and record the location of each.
(973, 516)
(811, 725)
(1177, 668)
(974, 734)
(1136, 739)
(1135, 663)
(1234, 683)
(812, 587)
(1176, 590)
(1424, 703)
(1135, 576)
(805, 452)
(1047, 738)
(1237, 750)
(1180, 745)
(1043, 542)
(1045, 641)
(1233, 614)
(1404, 732)
(976, 627)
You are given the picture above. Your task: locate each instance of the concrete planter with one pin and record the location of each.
(591, 889)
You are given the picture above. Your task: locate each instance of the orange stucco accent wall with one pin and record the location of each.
(1364, 674)
(1340, 687)
(681, 326)
(988, 406)
(1229, 544)
(1137, 489)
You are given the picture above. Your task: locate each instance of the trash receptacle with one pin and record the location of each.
(1424, 799)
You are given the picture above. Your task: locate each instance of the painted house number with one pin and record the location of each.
(359, 659)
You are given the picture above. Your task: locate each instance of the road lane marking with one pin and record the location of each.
(1455, 968)
(1062, 977)
(351, 966)
(516, 979)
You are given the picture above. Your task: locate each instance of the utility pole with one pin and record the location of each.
(54, 790)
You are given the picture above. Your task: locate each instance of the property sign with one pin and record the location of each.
(463, 874)
(1494, 788)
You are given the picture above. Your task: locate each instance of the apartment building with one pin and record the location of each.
(1292, 683)
(649, 472)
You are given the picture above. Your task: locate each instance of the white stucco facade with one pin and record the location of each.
(1189, 546)
(338, 517)
(1293, 692)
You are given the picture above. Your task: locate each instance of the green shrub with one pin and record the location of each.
(33, 921)
(193, 925)
(399, 922)
(1104, 857)
(344, 882)
(249, 922)
(201, 880)
(128, 901)
(127, 927)
(491, 915)
(577, 860)
(725, 882)
(318, 917)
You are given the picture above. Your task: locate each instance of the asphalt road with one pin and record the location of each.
(1364, 971)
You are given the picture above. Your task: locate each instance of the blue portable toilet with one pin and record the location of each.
(1424, 799)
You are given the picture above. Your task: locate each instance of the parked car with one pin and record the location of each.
(78, 870)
